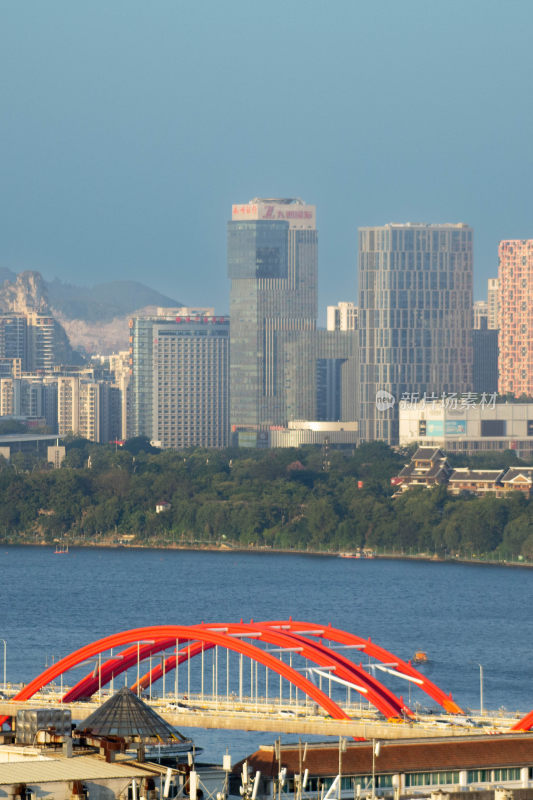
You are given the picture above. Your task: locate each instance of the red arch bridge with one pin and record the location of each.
(312, 658)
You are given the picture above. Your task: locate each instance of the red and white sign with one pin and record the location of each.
(296, 214)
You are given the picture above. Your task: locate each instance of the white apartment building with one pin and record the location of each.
(342, 317)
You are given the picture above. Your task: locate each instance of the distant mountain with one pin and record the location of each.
(7, 275)
(95, 318)
(105, 301)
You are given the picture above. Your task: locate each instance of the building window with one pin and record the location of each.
(479, 776)
(508, 774)
(431, 778)
(493, 427)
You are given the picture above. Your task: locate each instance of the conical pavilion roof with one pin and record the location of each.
(128, 716)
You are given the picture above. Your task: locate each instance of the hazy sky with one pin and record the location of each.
(128, 128)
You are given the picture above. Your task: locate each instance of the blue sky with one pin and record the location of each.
(127, 129)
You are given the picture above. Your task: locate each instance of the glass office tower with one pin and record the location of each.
(272, 264)
(415, 318)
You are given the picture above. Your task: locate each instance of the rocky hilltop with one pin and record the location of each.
(95, 319)
(27, 293)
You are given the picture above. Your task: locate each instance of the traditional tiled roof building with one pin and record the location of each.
(518, 478)
(476, 481)
(428, 467)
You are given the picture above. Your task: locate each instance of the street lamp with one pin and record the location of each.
(376, 747)
(5, 651)
(480, 690)
(342, 749)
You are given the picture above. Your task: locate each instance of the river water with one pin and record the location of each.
(462, 615)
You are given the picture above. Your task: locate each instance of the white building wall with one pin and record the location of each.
(468, 428)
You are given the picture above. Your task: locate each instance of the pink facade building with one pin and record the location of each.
(515, 363)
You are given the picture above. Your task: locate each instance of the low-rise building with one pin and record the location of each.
(35, 444)
(56, 455)
(475, 481)
(517, 479)
(81, 774)
(304, 431)
(468, 424)
(112, 754)
(429, 467)
(400, 767)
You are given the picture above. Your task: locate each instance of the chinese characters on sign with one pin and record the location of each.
(449, 400)
(253, 211)
(244, 210)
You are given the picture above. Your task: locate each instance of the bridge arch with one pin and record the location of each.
(374, 651)
(374, 691)
(377, 694)
(306, 636)
(161, 634)
(116, 664)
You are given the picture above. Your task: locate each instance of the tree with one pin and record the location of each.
(515, 535)
(527, 548)
(140, 444)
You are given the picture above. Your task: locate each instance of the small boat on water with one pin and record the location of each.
(420, 657)
(366, 552)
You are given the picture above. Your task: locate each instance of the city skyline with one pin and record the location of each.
(129, 131)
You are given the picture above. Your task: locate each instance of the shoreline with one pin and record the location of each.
(277, 551)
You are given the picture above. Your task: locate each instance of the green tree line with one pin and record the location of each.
(290, 499)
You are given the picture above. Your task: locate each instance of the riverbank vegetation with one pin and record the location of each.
(288, 499)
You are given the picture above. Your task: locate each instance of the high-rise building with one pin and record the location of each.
(485, 341)
(41, 342)
(321, 376)
(32, 396)
(90, 411)
(68, 405)
(179, 384)
(88, 408)
(49, 408)
(31, 342)
(342, 317)
(8, 405)
(415, 318)
(13, 338)
(485, 359)
(493, 303)
(516, 326)
(480, 314)
(272, 264)
(120, 367)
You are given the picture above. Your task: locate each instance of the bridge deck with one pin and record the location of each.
(249, 717)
